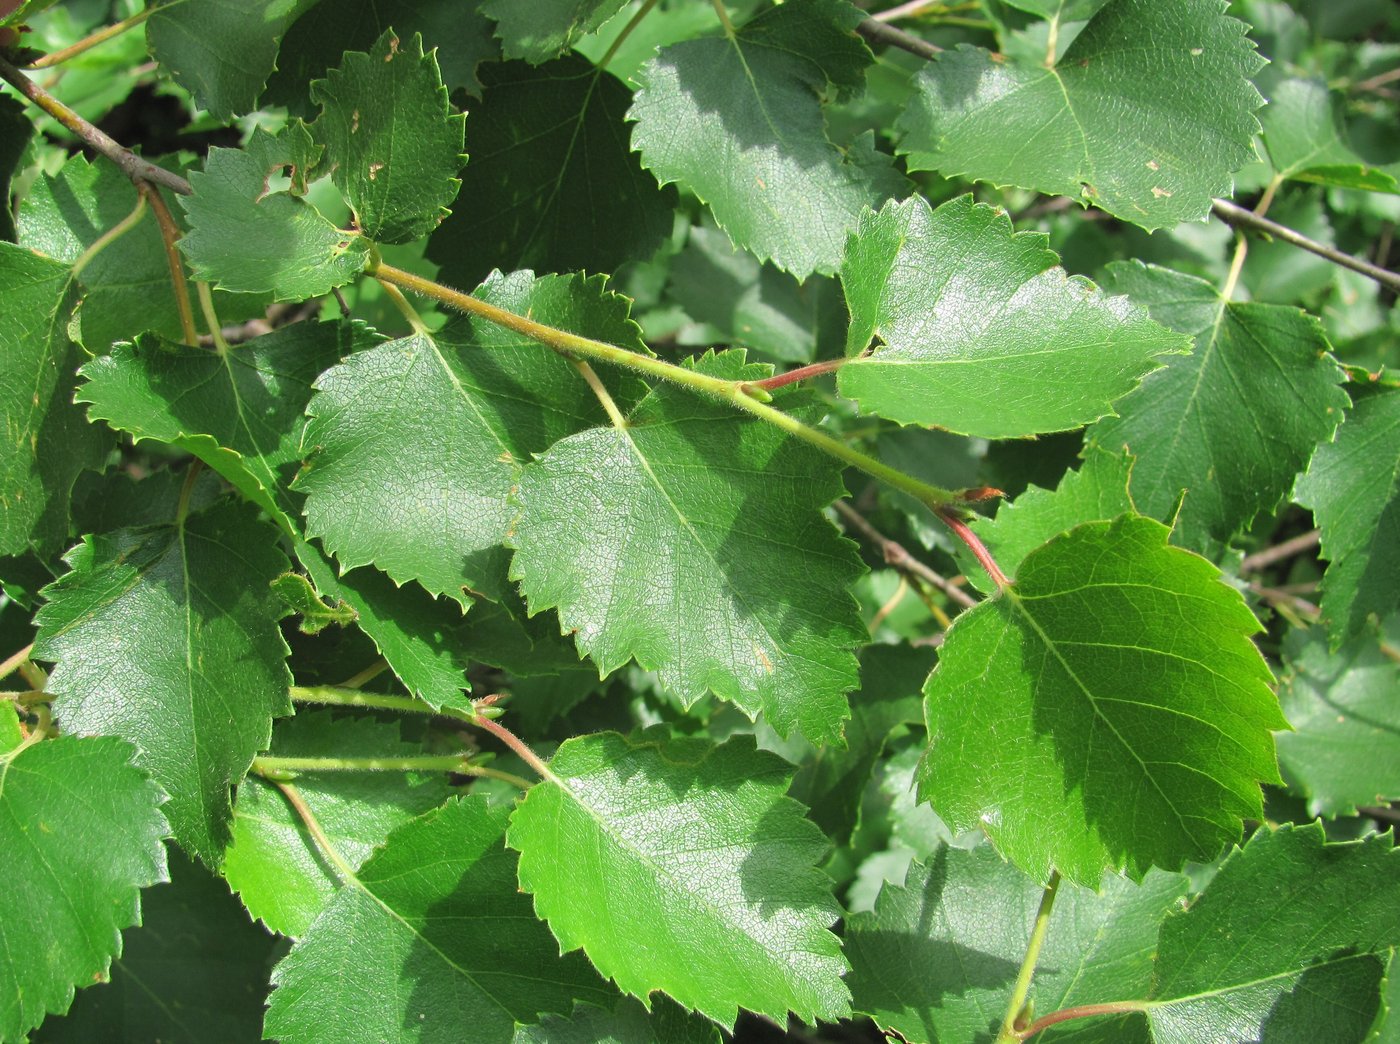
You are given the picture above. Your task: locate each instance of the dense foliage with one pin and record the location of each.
(618, 520)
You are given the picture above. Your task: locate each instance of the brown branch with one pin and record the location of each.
(900, 559)
(878, 32)
(1269, 555)
(1239, 217)
(132, 165)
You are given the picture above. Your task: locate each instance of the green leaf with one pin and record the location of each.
(1096, 492)
(126, 285)
(46, 443)
(738, 121)
(239, 411)
(1306, 137)
(247, 236)
(168, 637)
(430, 938)
(628, 1023)
(273, 862)
(195, 970)
(221, 52)
(1353, 489)
(681, 866)
(1346, 750)
(832, 780)
(15, 134)
(538, 30)
(80, 827)
(979, 332)
(545, 142)
(1286, 936)
(1107, 711)
(1060, 10)
(1233, 423)
(415, 444)
(735, 585)
(1145, 115)
(417, 634)
(392, 144)
(937, 958)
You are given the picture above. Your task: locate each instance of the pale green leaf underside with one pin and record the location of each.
(392, 144)
(681, 866)
(432, 943)
(168, 637)
(627, 1023)
(1232, 423)
(1353, 489)
(976, 329)
(1108, 711)
(1283, 938)
(1306, 139)
(273, 862)
(938, 956)
(248, 239)
(80, 829)
(693, 541)
(739, 123)
(1146, 115)
(414, 445)
(44, 443)
(1345, 751)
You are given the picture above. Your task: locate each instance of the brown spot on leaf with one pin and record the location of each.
(1152, 165)
(374, 169)
(1160, 193)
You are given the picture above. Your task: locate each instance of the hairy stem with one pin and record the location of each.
(170, 236)
(515, 743)
(334, 696)
(782, 380)
(87, 43)
(974, 544)
(132, 165)
(737, 393)
(313, 827)
(1082, 1011)
(283, 768)
(1023, 979)
(1239, 217)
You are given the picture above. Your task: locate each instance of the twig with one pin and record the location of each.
(878, 32)
(913, 7)
(900, 559)
(1380, 80)
(88, 42)
(170, 236)
(1287, 549)
(12, 662)
(132, 165)
(1241, 218)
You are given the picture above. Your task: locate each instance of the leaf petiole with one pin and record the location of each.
(1009, 1032)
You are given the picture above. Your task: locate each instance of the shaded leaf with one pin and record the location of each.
(540, 29)
(549, 150)
(628, 1023)
(1306, 137)
(977, 331)
(1107, 711)
(681, 866)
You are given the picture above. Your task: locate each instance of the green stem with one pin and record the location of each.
(635, 21)
(87, 43)
(405, 309)
(1022, 989)
(182, 509)
(521, 749)
(109, 237)
(601, 393)
(285, 768)
(170, 237)
(337, 697)
(211, 317)
(740, 394)
(724, 18)
(13, 662)
(364, 677)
